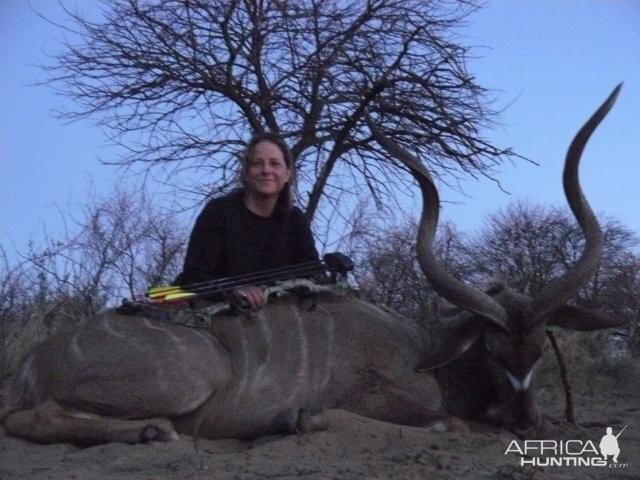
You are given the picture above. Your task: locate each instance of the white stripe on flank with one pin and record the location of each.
(303, 361)
(260, 379)
(26, 374)
(329, 321)
(244, 355)
(209, 338)
(108, 327)
(75, 348)
(167, 331)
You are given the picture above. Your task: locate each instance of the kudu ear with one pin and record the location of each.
(581, 319)
(449, 337)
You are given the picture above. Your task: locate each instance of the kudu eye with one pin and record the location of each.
(496, 355)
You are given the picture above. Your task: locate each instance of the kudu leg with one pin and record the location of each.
(410, 399)
(296, 421)
(312, 421)
(52, 423)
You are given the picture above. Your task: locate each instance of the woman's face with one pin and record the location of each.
(267, 171)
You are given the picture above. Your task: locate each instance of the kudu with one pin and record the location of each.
(503, 332)
(130, 379)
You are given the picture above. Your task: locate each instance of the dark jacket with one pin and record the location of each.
(228, 239)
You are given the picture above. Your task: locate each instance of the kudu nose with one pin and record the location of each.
(525, 423)
(523, 417)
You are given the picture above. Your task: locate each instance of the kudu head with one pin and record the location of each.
(507, 327)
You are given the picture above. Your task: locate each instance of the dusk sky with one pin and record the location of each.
(550, 64)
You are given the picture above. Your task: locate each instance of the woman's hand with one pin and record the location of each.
(253, 295)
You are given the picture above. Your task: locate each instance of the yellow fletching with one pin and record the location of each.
(159, 292)
(176, 297)
(162, 289)
(168, 293)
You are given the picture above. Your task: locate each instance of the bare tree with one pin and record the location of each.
(181, 84)
(623, 291)
(527, 245)
(523, 246)
(13, 288)
(119, 247)
(389, 272)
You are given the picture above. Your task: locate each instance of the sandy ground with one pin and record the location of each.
(352, 447)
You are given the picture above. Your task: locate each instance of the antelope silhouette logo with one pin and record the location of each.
(609, 444)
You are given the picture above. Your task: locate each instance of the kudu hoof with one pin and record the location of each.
(158, 433)
(450, 425)
(311, 422)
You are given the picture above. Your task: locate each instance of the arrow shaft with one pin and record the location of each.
(228, 283)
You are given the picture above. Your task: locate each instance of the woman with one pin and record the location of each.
(253, 228)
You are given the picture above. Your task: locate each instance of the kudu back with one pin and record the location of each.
(132, 379)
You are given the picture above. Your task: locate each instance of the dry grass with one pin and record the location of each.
(20, 334)
(592, 371)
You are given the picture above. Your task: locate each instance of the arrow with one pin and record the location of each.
(173, 293)
(161, 292)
